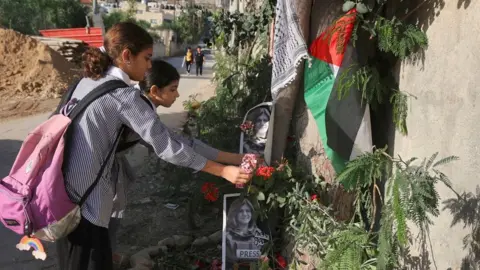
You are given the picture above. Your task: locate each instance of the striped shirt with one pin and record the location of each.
(93, 136)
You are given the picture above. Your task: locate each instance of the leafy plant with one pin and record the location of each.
(132, 8)
(465, 209)
(242, 74)
(118, 16)
(30, 16)
(390, 193)
(366, 79)
(190, 25)
(410, 197)
(392, 38)
(398, 38)
(234, 31)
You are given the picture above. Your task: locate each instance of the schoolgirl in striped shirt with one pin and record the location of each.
(127, 57)
(160, 89)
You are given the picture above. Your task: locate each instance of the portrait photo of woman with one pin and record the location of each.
(260, 118)
(243, 239)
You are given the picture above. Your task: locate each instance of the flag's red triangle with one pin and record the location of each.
(338, 34)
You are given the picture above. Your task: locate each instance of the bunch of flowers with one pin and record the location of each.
(247, 128)
(210, 191)
(249, 164)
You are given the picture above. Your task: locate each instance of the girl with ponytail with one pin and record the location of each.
(126, 56)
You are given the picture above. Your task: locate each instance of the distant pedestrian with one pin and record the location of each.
(188, 59)
(199, 59)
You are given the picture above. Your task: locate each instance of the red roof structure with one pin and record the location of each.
(90, 35)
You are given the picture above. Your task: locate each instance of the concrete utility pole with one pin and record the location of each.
(95, 7)
(174, 10)
(97, 17)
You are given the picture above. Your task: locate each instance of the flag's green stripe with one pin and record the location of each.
(319, 82)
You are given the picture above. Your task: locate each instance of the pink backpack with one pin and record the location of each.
(33, 199)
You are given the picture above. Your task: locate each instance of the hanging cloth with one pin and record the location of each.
(289, 47)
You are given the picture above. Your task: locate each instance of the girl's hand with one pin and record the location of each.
(235, 175)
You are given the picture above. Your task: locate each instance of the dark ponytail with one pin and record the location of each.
(121, 36)
(95, 63)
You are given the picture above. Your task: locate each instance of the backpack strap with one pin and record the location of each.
(96, 93)
(123, 146)
(80, 106)
(66, 97)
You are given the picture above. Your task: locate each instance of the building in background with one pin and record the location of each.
(177, 2)
(237, 5)
(155, 13)
(223, 4)
(206, 3)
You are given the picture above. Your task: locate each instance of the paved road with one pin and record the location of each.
(13, 132)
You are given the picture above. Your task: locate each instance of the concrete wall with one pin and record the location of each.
(173, 49)
(445, 116)
(159, 50)
(166, 47)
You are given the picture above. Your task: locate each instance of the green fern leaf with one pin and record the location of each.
(430, 161)
(399, 212)
(400, 111)
(444, 161)
(408, 162)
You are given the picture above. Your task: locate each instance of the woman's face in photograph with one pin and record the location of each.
(261, 125)
(244, 215)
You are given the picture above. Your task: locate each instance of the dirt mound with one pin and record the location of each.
(29, 68)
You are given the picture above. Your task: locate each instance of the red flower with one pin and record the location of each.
(246, 126)
(314, 197)
(199, 264)
(207, 186)
(216, 265)
(210, 191)
(212, 195)
(265, 172)
(282, 263)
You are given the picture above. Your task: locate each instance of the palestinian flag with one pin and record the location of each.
(344, 125)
